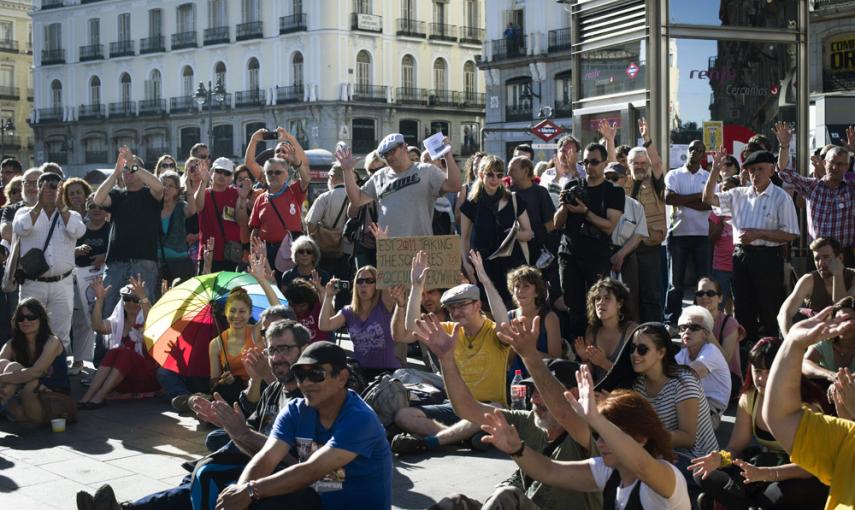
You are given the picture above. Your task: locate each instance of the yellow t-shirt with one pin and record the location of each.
(483, 362)
(825, 447)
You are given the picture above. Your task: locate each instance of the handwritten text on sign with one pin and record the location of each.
(395, 255)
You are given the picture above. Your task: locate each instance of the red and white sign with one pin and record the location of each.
(546, 130)
(632, 70)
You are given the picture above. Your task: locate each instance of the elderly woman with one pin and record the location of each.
(306, 255)
(702, 353)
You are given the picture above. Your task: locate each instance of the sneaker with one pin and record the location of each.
(105, 499)
(181, 403)
(476, 444)
(406, 444)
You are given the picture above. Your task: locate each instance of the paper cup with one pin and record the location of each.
(58, 424)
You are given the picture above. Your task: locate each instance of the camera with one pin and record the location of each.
(577, 194)
(270, 135)
(340, 285)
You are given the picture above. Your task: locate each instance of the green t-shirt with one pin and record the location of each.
(546, 496)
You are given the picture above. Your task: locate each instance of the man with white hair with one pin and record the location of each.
(702, 352)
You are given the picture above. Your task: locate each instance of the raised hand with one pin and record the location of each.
(844, 391)
(586, 405)
(331, 288)
(344, 156)
(124, 159)
(581, 348)
(706, 465)
(643, 129)
(718, 158)
(377, 232)
(500, 434)
(399, 294)
(609, 131)
(478, 264)
(521, 338)
(205, 411)
(784, 133)
(596, 356)
(819, 327)
(850, 139)
(138, 285)
(419, 268)
(256, 364)
(98, 288)
(429, 330)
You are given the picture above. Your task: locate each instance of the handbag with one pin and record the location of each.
(283, 261)
(233, 250)
(58, 405)
(507, 247)
(330, 240)
(33, 264)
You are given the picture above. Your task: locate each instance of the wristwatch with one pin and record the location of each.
(252, 490)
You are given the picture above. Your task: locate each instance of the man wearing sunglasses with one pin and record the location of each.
(344, 459)
(405, 191)
(55, 230)
(222, 210)
(9, 169)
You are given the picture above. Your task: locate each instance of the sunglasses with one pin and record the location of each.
(222, 171)
(167, 165)
(682, 328)
(27, 317)
(315, 375)
(93, 207)
(305, 252)
(707, 293)
(52, 184)
(497, 175)
(365, 281)
(592, 162)
(130, 299)
(641, 349)
(274, 172)
(613, 177)
(282, 349)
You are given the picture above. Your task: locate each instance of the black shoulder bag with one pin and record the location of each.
(32, 264)
(233, 250)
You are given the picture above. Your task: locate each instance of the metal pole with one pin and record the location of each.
(210, 118)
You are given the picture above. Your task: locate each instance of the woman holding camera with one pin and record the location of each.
(368, 319)
(488, 215)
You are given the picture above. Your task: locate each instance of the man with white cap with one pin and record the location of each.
(222, 210)
(481, 356)
(405, 191)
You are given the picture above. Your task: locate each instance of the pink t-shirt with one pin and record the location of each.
(723, 248)
(734, 363)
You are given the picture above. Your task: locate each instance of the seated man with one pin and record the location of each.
(480, 354)
(818, 289)
(285, 339)
(537, 428)
(344, 458)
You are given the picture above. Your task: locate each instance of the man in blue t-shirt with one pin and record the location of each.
(344, 460)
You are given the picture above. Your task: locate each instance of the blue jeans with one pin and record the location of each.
(175, 384)
(118, 273)
(680, 250)
(176, 498)
(218, 439)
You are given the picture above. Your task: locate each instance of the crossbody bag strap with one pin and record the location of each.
(164, 235)
(340, 211)
(217, 214)
(276, 210)
(50, 232)
(226, 367)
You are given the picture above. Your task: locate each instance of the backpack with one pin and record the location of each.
(386, 396)
(442, 222)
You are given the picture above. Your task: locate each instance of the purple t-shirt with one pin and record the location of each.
(373, 346)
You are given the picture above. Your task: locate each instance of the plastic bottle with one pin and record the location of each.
(518, 391)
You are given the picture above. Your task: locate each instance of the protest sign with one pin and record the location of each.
(394, 256)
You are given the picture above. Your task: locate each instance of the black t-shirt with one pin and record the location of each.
(9, 212)
(581, 238)
(490, 227)
(97, 240)
(136, 215)
(540, 212)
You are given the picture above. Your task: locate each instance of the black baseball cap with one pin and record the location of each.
(563, 370)
(760, 157)
(322, 352)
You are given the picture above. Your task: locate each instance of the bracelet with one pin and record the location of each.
(519, 453)
(726, 458)
(144, 301)
(648, 143)
(252, 490)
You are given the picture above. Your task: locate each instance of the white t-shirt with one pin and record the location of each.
(689, 222)
(717, 383)
(554, 184)
(649, 498)
(405, 200)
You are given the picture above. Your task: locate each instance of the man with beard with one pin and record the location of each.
(538, 429)
(828, 284)
(285, 341)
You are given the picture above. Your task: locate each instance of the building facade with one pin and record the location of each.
(526, 63)
(126, 72)
(16, 80)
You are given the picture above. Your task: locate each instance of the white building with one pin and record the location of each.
(16, 80)
(125, 72)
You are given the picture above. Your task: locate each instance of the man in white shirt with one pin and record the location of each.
(32, 225)
(689, 232)
(566, 169)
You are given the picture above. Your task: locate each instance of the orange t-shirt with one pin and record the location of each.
(235, 362)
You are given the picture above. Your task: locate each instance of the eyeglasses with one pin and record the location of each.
(31, 183)
(27, 317)
(682, 328)
(365, 281)
(707, 293)
(592, 162)
(167, 165)
(222, 171)
(497, 175)
(282, 349)
(305, 252)
(12, 191)
(93, 207)
(641, 349)
(274, 172)
(381, 167)
(456, 306)
(314, 375)
(130, 299)
(613, 177)
(52, 184)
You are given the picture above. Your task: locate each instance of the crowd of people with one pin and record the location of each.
(573, 279)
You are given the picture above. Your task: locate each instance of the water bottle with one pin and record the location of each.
(518, 391)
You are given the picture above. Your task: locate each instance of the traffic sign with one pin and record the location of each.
(546, 130)
(632, 70)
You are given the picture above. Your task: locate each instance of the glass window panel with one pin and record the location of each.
(734, 13)
(615, 69)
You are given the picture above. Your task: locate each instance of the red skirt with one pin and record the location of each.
(139, 371)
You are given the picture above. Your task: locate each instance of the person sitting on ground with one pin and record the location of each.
(343, 456)
(246, 428)
(368, 319)
(481, 356)
(702, 353)
(824, 359)
(306, 255)
(782, 484)
(634, 468)
(304, 299)
(821, 445)
(528, 290)
(127, 367)
(32, 362)
(608, 326)
(726, 329)
(815, 290)
(539, 428)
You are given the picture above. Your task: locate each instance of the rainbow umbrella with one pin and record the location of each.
(183, 321)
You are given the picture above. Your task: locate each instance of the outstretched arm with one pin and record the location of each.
(497, 306)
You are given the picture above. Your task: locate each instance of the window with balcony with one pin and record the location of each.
(470, 78)
(94, 91)
(220, 73)
(153, 85)
(518, 99)
(363, 70)
(251, 27)
(218, 14)
(124, 26)
(185, 27)
(125, 88)
(297, 69)
(95, 31)
(364, 136)
(8, 90)
(153, 102)
(252, 71)
(250, 11)
(155, 42)
(187, 81)
(94, 109)
(440, 95)
(408, 72)
(53, 53)
(7, 31)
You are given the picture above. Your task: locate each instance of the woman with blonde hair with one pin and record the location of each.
(165, 163)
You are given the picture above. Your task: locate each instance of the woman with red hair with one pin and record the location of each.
(633, 469)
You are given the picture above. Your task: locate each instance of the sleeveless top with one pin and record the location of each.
(819, 297)
(599, 372)
(235, 363)
(610, 494)
(825, 349)
(56, 377)
(748, 403)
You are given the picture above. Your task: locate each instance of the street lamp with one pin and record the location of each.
(208, 96)
(5, 127)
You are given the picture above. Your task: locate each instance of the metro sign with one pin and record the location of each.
(546, 130)
(632, 70)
